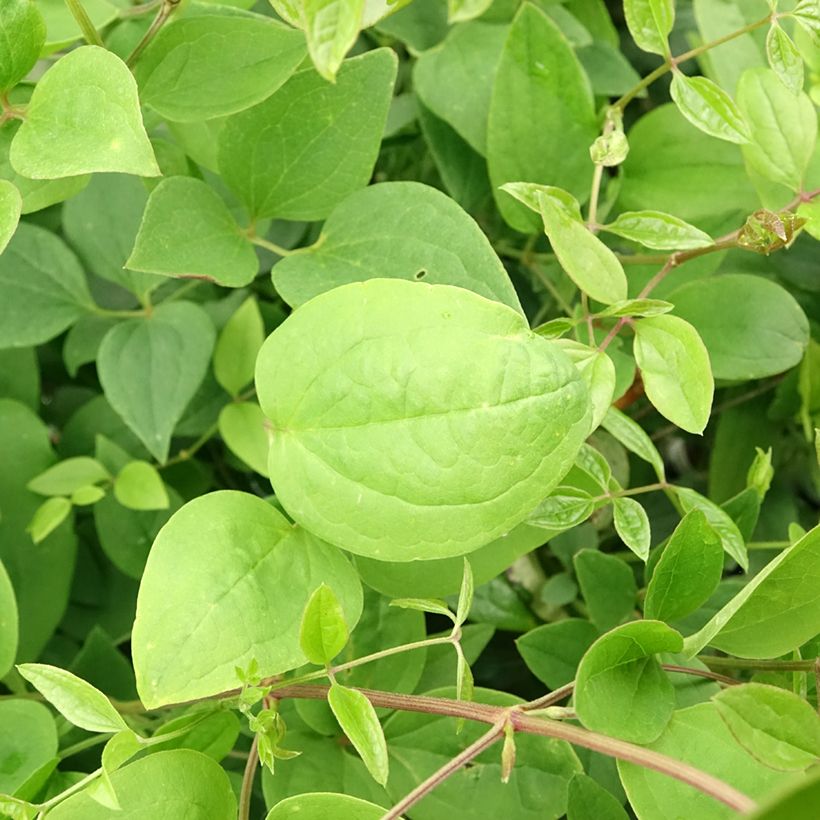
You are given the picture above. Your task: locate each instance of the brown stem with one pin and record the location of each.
(700, 673)
(758, 666)
(247, 781)
(165, 11)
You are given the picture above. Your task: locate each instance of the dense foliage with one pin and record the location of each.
(408, 409)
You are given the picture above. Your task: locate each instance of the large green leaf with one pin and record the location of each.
(211, 65)
(621, 689)
(380, 391)
(42, 288)
(9, 620)
(322, 805)
(768, 332)
(455, 80)
(188, 231)
(11, 204)
(27, 742)
(245, 575)
(150, 368)
(183, 783)
(699, 737)
(541, 120)
(262, 154)
(84, 116)
(401, 230)
(22, 34)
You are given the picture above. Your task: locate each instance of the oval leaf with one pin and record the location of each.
(708, 107)
(657, 230)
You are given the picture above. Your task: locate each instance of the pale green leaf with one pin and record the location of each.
(84, 116)
(634, 438)
(262, 154)
(657, 230)
(67, 476)
(10, 205)
(396, 229)
(324, 805)
(798, 801)
(424, 605)
(211, 65)
(22, 34)
(708, 107)
(345, 418)
(151, 367)
(632, 525)
(720, 522)
(566, 507)
(233, 549)
(48, 516)
(87, 495)
(139, 486)
(323, 633)
(61, 25)
(8, 623)
(246, 433)
(650, 22)
(75, 699)
(237, 347)
(465, 595)
(621, 689)
(459, 11)
(331, 28)
(676, 371)
(638, 308)
(188, 231)
(530, 193)
(784, 58)
(359, 721)
(598, 371)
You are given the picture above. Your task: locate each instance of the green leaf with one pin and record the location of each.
(455, 80)
(42, 288)
(324, 632)
(188, 231)
(331, 28)
(211, 65)
(22, 34)
(608, 587)
(48, 516)
(401, 230)
(634, 438)
(768, 333)
(358, 720)
(784, 58)
(650, 22)
(696, 736)
(465, 595)
(687, 572)
(18, 809)
(638, 307)
(346, 421)
(676, 370)
(708, 107)
(67, 476)
(262, 155)
(234, 549)
(632, 525)
(621, 689)
(808, 16)
(10, 205)
(553, 651)
(598, 371)
(9, 620)
(586, 260)
(774, 613)
(542, 118)
(566, 507)
(798, 801)
(237, 347)
(246, 433)
(530, 194)
(87, 495)
(720, 522)
(320, 806)
(75, 699)
(783, 128)
(588, 799)
(657, 230)
(139, 486)
(84, 116)
(61, 25)
(774, 725)
(27, 743)
(150, 369)
(178, 778)
(459, 11)
(424, 605)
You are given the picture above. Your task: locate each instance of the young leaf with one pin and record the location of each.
(139, 486)
(465, 685)
(657, 230)
(720, 522)
(566, 507)
(324, 632)
(676, 370)
(49, 515)
(188, 231)
(807, 14)
(598, 371)
(212, 65)
(75, 699)
(150, 369)
(83, 116)
(620, 689)
(22, 34)
(424, 605)
(87, 495)
(340, 418)
(529, 194)
(632, 525)
(237, 347)
(331, 28)
(586, 260)
(774, 725)
(650, 22)
(262, 155)
(359, 722)
(67, 476)
(784, 58)
(246, 433)
(638, 307)
(708, 107)
(465, 596)
(10, 205)
(9, 623)
(634, 438)
(459, 11)
(323, 805)
(608, 587)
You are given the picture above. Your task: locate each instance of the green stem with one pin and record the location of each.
(90, 33)
(247, 781)
(142, 8)
(78, 786)
(116, 314)
(271, 246)
(88, 743)
(646, 488)
(165, 11)
(189, 452)
(758, 665)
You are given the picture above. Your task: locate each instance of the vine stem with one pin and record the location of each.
(247, 781)
(756, 665)
(90, 33)
(449, 768)
(271, 246)
(165, 11)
